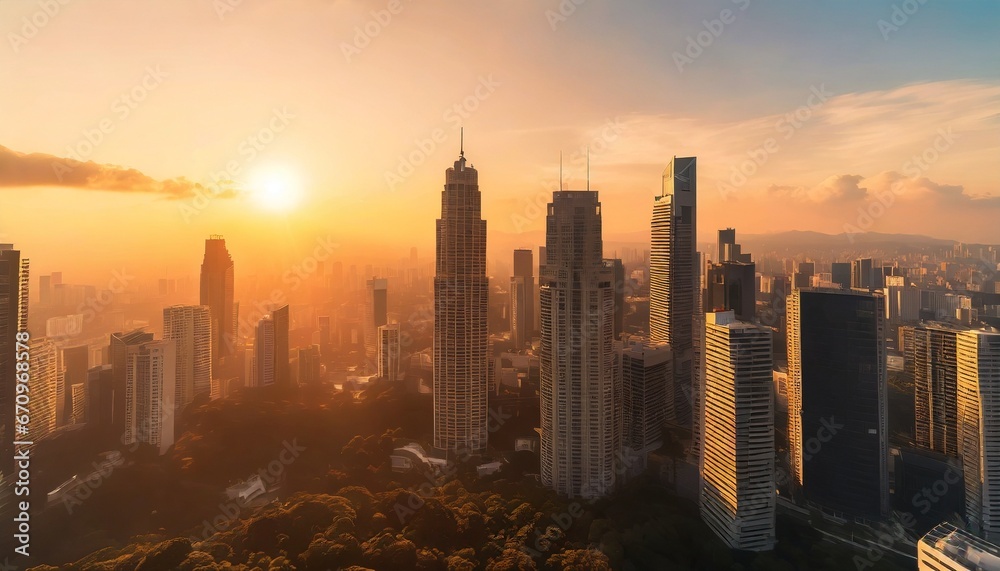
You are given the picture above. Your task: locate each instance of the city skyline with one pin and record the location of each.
(244, 324)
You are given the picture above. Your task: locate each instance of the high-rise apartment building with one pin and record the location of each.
(460, 350)
(190, 327)
(580, 388)
(978, 356)
(118, 352)
(738, 500)
(675, 276)
(150, 383)
(837, 425)
(935, 375)
(47, 388)
(217, 283)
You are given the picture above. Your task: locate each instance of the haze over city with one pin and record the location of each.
(556, 284)
(352, 108)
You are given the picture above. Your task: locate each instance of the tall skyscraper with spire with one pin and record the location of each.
(674, 277)
(580, 389)
(217, 283)
(460, 313)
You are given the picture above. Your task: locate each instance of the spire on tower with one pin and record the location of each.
(461, 143)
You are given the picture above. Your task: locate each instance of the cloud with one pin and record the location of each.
(841, 188)
(926, 190)
(38, 169)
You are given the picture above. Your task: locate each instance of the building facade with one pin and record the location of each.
(217, 287)
(150, 382)
(460, 346)
(580, 389)
(675, 277)
(837, 418)
(738, 499)
(978, 355)
(190, 327)
(388, 352)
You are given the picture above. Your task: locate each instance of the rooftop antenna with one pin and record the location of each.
(461, 143)
(588, 168)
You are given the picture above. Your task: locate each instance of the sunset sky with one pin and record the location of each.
(301, 99)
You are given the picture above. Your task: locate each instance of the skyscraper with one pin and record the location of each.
(262, 364)
(645, 376)
(727, 237)
(518, 311)
(461, 373)
(738, 498)
(731, 283)
(149, 395)
(840, 274)
(217, 282)
(310, 365)
(935, 379)
(837, 425)
(863, 273)
(376, 315)
(282, 372)
(388, 352)
(73, 363)
(118, 351)
(978, 354)
(13, 318)
(100, 396)
(538, 308)
(675, 276)
(47, 388)
(190, 327)
(803, 275)
(522, 298)
(580, 388)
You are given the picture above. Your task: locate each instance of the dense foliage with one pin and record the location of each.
(336, 504)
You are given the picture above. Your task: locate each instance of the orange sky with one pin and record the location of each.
(292, 87)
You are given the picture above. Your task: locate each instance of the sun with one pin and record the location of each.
(275, 188)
